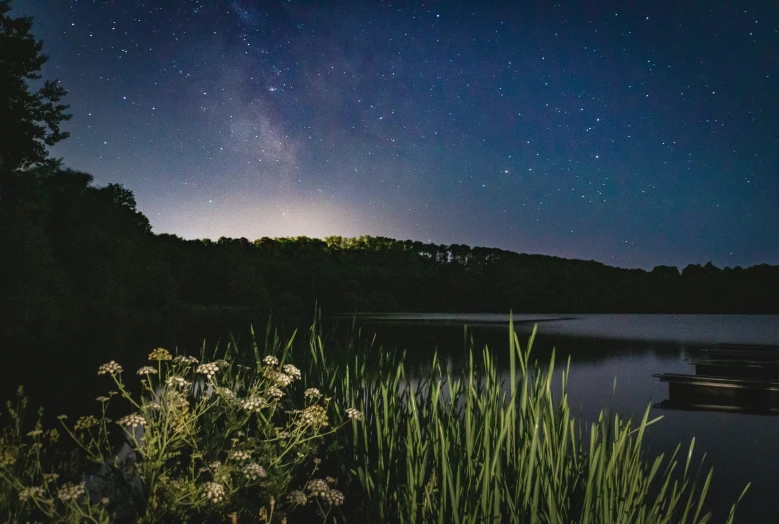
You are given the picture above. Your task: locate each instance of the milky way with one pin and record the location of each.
(635, 136)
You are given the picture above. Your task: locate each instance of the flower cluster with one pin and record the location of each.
(102, 398)
(253, 471)
(209, 370)
(26, 494)
(317, 486)
(320, 488)
(213, 492)
(147, 370)
(182, 359)
(333, 497)
(277, 377)
(132, 421)
(254, 404)
(291, 371)
(297, 497)
(71, 491)
(312, 393)
(7, 458)
(274, 392)
(174, 381)
(240, 455)
(50, 477)
(313, 416)
(34, 432)
(110, 368)
(354, 414)
(227, 394)
(85, 423)
(271, 361)
(160, 354)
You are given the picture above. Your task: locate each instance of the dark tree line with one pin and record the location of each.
(84, 279)
(383, 274)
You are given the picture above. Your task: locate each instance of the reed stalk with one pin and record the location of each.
(475, 447)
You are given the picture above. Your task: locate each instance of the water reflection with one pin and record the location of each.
(610, 369)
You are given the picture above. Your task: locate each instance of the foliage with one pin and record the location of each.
(31, 119)
(76, 256)
(470, 448)
(227, 438)
(202, 439)
(368, 274)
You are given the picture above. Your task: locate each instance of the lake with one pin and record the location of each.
(613, 358)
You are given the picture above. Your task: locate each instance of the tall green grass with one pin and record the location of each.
(470, 448)
(431, 446)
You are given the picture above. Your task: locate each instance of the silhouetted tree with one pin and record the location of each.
(29, 119)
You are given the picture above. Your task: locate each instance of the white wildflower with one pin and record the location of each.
(209, 370)
(354, 414)
(271, 361)
(226, 393)
(147, 370)
(50, 477)
(160, 354)
(254, 404)
(85, 423)
(71, 491)
(291, 371)
(277, 377)
(313, 416)
(332, 497)
(317, 487)
(174, 381)
(297, 497)
(274, 392)
(26, 494)
(253, 471)
(240, 455)
(109, 368)
(132, 421)
(213, 492)
(312, 393)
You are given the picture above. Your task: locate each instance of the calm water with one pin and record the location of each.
(613, 358)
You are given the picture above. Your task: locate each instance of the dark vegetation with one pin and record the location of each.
(83, 276)
(81, 264)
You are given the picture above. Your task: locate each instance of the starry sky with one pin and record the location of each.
(624, 132)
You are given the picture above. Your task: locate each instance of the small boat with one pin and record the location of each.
(724, 393)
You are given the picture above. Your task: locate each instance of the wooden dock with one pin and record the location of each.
(730, 393)
(729, 367)
(738, 361)
(729, 377)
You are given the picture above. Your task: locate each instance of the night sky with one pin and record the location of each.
(631, 134)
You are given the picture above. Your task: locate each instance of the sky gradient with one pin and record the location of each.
(629, 134)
